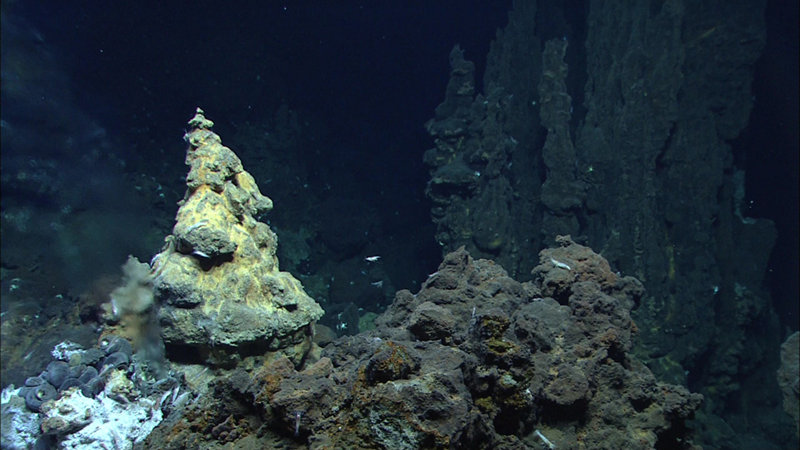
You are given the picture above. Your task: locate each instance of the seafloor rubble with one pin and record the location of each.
(475, 359)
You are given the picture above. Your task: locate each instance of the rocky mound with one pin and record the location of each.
(473, 360)
(217, 281)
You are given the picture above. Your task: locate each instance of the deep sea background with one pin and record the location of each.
(362, 78)
(323, 101)
(365, 76)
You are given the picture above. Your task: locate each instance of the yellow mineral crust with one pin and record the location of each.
(217, 278)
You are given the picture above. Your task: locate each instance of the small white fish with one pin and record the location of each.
(377, 284)
(372, 258)
(560, 264)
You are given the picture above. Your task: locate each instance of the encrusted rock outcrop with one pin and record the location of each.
(217, 279)
(788, 378)
(475, 359)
